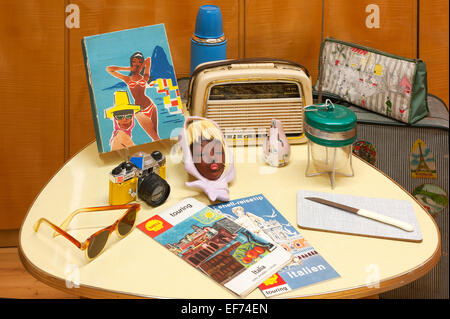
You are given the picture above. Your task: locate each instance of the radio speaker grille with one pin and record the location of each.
(251, 119)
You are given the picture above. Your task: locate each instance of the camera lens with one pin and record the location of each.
(153, 190)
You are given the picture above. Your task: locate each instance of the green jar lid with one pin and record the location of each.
(330, 124)
(330, 117)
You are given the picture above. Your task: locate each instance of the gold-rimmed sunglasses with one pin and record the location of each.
(96, 243)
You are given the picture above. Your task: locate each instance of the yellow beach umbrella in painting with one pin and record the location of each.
(121, 103)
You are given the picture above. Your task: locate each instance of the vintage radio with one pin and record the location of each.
(243, 96)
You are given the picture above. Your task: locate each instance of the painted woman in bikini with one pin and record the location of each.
(137, 81)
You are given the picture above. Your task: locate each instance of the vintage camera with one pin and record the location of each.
(143, 177)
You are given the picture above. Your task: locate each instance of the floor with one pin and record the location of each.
(16, 282)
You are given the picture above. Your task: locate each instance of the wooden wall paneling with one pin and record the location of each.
(32, 102)
(284, 29)
(397, 31)
(433, 45)
(106, 16)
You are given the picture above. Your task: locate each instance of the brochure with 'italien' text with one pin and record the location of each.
(258, 215)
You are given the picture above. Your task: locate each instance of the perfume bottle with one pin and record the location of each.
(208, 42)
(276, 147)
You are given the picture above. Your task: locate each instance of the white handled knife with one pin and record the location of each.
(365, 213)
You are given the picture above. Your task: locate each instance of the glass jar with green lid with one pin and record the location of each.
(331, 131)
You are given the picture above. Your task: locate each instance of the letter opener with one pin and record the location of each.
(365, 213)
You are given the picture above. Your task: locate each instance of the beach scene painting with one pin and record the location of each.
(133, 87)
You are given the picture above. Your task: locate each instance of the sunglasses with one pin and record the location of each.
(126, 116)
(96, 243)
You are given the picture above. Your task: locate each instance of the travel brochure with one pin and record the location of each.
(242, 244)
(228, 253)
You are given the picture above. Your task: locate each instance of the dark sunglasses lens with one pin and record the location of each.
(97, 243)
(127, 222)
(126, 116)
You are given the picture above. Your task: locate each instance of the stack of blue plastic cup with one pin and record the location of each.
(208, 42)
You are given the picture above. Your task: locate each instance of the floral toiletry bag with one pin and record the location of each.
(378, 81)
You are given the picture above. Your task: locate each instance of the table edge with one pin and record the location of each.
(350, 293)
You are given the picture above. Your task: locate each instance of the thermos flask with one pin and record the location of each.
(208, 42)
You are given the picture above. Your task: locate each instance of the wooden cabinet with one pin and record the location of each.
(433, 45)
(44, 91)
(44, 94)
(389, 26)
(32, 59)
(287, 29)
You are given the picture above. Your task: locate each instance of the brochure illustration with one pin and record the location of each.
(258, 215)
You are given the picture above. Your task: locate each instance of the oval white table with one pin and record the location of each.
(137, 266)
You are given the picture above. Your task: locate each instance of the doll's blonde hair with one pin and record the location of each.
(206, 130)
(203, 129)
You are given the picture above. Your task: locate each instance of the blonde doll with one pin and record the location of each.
(207, 157)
